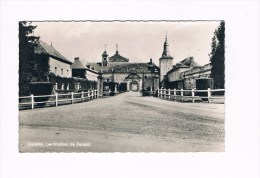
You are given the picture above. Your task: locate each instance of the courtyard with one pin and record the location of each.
(126, 122)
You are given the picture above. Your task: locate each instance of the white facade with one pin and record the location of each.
(60, 68)
(91, 75)
(165, 66)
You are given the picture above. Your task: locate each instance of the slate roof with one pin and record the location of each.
(78, 65)
(97, 66)
(124, 67)
(133, 67)
(133, 76)
(185, 63)
(44, 48)
(118, 58)
(188, 62)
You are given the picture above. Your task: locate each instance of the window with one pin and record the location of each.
(61, 71)
(55, 70)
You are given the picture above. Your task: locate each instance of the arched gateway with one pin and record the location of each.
(134, 86)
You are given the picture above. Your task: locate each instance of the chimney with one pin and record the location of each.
(76, 58)
(151, 60)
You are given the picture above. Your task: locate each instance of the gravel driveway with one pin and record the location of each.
(124, 123)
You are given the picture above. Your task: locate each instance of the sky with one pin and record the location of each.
(138, 41)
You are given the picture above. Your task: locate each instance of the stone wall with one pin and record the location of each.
(189, 83)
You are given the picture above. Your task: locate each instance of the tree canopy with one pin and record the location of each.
(27, 63)
(217, 56)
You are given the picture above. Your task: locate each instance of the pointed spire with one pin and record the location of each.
(165, 47)
(116, 49)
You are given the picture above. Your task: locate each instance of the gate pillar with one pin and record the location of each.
(100, 84)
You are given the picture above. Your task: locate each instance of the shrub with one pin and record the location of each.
(84, 83)
(145, 93)
(41, 88)
(112, 93)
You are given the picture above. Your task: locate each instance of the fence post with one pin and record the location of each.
(158, 92)
(209, 95)
(56, 86)
(96, 94)
(56, 99)
(174, 93)
(72, 97)
(88, 94)
(192, 95)
(92, 93)
(68, 86)
(181, 94)
(82, 96)
(169, 93)
(32, 100)
(62, 86)
(161, 92)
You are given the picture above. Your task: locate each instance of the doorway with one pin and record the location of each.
(134, 86)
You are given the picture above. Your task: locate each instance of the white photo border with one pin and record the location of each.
(241, 156)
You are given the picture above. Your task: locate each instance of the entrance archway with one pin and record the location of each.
(134, 86)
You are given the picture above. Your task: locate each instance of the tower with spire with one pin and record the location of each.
(117, 58)
(105, 57)
(166, 61)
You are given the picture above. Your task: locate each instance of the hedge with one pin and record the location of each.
(84, 83)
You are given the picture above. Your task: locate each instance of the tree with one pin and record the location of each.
(27, 62)
(217, 56)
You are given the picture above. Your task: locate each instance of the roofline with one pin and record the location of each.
(59, 59)
(176, 69)
(92, 70)
(55, 57)
(166, 57)
(202, 71)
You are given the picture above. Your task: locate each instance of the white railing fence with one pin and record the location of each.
(182, 94)
(60, 98)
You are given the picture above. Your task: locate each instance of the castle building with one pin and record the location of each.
(120, 74)
(81, 71)
(59, 65)
(186, 74)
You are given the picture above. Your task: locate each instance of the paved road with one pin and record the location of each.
(124, 123)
